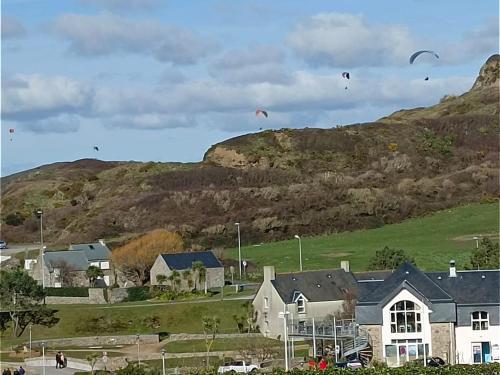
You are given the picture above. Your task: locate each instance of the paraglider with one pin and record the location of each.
(11, 132)
(418, 53)
(260, 111)
(346, 75)
(96, 148)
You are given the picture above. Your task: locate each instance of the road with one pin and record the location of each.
(18, 248)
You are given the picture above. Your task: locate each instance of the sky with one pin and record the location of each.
(163, 80)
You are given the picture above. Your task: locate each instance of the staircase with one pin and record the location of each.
(359, 346)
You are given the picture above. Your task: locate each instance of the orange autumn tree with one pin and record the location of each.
(136, 258)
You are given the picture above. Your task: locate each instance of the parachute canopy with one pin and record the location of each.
(260, 112)
(11, 130)
(96, 148)
(418, 53)
(346, 75)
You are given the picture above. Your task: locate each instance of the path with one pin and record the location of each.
(50, 370)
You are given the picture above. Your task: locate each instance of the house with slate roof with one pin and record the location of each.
(68, 267)
(453, 315)
(166, 264)
(304, 295)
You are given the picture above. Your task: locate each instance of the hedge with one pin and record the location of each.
(68, 292)
(137, 293)
(488, 369)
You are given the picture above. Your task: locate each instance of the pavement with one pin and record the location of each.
(19, 248)
(50, 370)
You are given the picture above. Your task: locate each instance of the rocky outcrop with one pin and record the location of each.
(489, 73)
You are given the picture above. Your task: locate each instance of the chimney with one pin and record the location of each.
(344, 264)
(269, 273)
(453, 270)
(101, 241)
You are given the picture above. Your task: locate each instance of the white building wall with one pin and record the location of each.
(388, 336)
(465, 336)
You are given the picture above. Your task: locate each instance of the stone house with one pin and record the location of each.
(453, 315)
(68, 267)
(165, 264)
(303, 295)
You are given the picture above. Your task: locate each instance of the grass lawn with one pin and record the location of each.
(174, 318)
(187, 346)
(433, 240)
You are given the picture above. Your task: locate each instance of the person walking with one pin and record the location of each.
(58, 359)
(6, 371)
(21, 370)
(16, 371)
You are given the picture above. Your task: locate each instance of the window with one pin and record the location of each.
(480, 320)
(301, 305)
(266, 302)
(104, 265)
(406, 317)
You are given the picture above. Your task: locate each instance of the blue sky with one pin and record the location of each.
(164, 80)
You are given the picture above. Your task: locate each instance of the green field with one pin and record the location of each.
(189, 346)
(433, 240)
(173, 318)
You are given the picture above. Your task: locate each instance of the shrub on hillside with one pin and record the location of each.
(389, 259)
(137, 293)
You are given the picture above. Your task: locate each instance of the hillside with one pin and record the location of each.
(276, 183)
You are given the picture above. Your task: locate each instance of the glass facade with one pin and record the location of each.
(406, 316)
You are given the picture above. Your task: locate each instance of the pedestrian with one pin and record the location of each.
(58, 359)
(4, 372)
(65, 361)
(8, 371)
(16, 371)
(61, 360)
(21, 370)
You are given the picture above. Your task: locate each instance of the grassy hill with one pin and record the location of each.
(433, 240)
(275, 182)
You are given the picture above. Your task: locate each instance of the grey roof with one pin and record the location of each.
(372, 275)
(316, 286)
(407, 273)
(93, 251)
(183, 261)
(470, 286)
(76, 260)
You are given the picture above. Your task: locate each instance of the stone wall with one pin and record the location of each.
(215, 277)
(96, 296)
(441, 340)
(375, 332)
(117, 295)
(97, 340)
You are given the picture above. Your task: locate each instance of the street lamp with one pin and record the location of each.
(43, 356)
(163, 353)
(43, 267)
(300, 250)
(39, 212)
(138, 337)
(239, 246)
(284, 315)
(30, 338)
(476, 238)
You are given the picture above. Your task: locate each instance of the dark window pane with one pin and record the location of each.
(410, 305)
(475, 326)
(475, 315)
(419, 327)
(484, 325)
(484, 315)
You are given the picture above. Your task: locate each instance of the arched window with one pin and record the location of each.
(480, 320)
(406, 317)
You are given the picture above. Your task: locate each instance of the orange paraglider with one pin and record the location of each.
(260, 111)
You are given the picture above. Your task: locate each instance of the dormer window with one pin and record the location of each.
(480, 320)
(301, 305)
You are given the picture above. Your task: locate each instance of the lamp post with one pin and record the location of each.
(43, 356)
(39, 212)
(476, 238)
(239, 246)
(284, 315)
(300, 250)
(30, 338)
(163, 353)
(138, 337)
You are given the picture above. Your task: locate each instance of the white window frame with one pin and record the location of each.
(104, 265)
(482, 323)
(301, 305)
(266, 302)
(394, 312)
(95, 264)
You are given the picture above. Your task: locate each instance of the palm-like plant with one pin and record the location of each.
(93, 273)
(201, 274)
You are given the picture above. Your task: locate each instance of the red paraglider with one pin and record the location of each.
(262, 112)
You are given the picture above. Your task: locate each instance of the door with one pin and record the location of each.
(486, 353)
(476, 352)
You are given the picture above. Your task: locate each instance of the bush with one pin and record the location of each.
(389, 259)
(14, 219)
(137, 293)
(68, 292)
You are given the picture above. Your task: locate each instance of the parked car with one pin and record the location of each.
(3, 244)
(353, 363)
(238, 366)
(431, 362)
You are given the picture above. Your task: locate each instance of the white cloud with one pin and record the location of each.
(36, 96)
(12, 28)
(219, 105)
(105, 34)
(58, 124)
(257, 64)
(347, 40)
